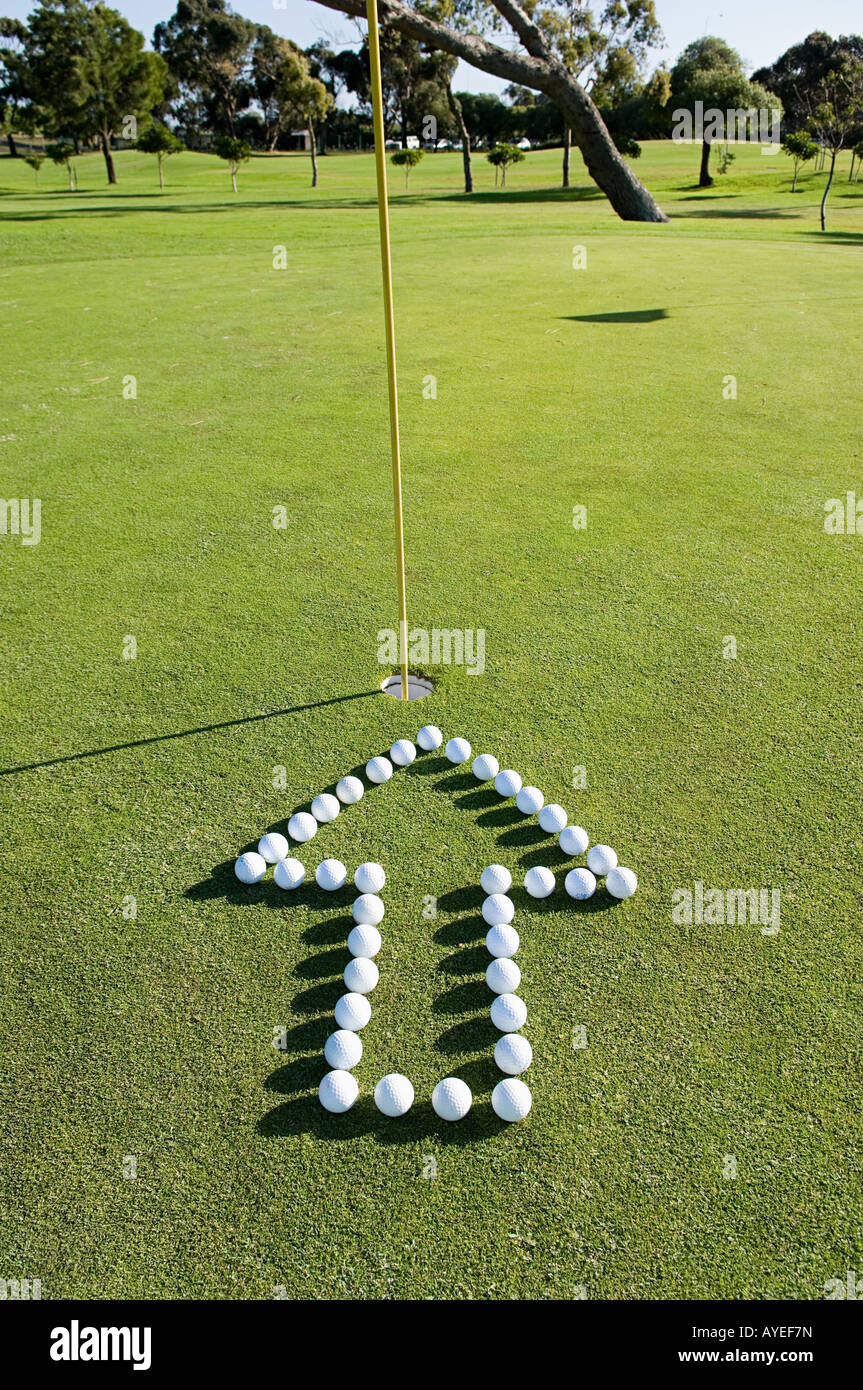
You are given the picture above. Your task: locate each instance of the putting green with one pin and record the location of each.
(695, 1130)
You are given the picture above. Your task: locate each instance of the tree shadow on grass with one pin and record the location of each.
(620, 316)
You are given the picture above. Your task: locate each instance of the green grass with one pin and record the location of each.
(556, 387)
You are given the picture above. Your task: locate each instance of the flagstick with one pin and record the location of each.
(386, 267)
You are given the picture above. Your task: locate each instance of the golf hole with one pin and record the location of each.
(418, 687)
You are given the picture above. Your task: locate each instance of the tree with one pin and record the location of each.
(710, 72)
(800, 147)
(61, 155)
(157, 139)
(15, 81)
(856, 153)
(796, 75)
(208, 50)
(286, 91)
(235, 152)
(407, 160)
(533, 64)
(35, 161)
(501, 157)
(836, 111)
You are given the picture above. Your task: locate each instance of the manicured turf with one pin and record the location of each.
(150, 1038)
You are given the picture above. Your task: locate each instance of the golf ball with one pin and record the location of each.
(352, 1012)
(620, 882)
(512, 1053)
(539, 882)
(451, 1098)
(368, 910)
(530, 800)
(394, 1095)
(503, 975)
(552, 818)
(302, 827)
(361, 975)
(601, 858)
(331, 875)
(429, 737)
(379, 769)
(364, 941)
(250, 867)
(288, 873)
(484, 768)
(580, 884)
(507, 783)
(403, 752)
(343, 1050)
(495, 879)
(349, 790)
(502, 941)
(273, 847)
(508, 1013)
(511, 1100)
(369, 878)
(338, 1091)
(497, 910)
(458, 750)
(573, 840)
(325, 807)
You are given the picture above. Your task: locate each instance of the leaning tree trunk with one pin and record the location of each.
(313, 150)
(827, 190)
(567, 143)
(13, 148)
(704, 179)
(109, 158)
(540, 70)
(458, 115)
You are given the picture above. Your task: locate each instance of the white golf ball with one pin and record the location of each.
(511, 1100)
(484, 768)
(451, 1098)
(289, 873)
(601, 858)
(513, 1053)
(338, 1092)
(331, 875)
(508, 1013)
(530, 800)
(403, 752)
(458, 750)
(369, 878)
(580, 883)
(352, 1012)
(573, 840)
(620, 882)
(343, 1050)
(250, 867)
(394, 1095)
(429, 737)
(507, 783)
(349, 790)
(379, 769)
(273, 847)
(552, 818)
(503, 975)
(502, 941)
(364, 941)
(495, 879)
(368, 910)
(361, 975)
(326, 807)
(302, 827)
(539, 882)
(497, 910)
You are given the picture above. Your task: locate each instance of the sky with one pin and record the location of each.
(759, 29)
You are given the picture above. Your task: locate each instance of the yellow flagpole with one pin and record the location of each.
(386, 267)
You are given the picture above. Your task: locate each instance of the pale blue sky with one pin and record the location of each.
(759, 29)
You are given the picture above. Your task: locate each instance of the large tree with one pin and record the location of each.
(711, 72)
(533, 63)
(797, 75)
(208, 50)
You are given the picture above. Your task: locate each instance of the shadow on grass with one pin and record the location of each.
(621, 316)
